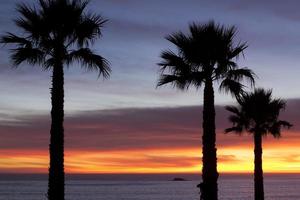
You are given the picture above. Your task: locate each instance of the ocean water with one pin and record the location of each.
(146, 187)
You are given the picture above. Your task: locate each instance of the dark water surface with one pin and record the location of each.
(146, 187)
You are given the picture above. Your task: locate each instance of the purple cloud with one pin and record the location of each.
(131, 128)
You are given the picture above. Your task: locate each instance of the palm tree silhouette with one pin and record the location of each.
(55, 34)
(257, 113)
(204, 56)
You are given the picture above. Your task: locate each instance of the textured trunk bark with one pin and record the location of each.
(209, 186)
(258, 171)
(56, 184)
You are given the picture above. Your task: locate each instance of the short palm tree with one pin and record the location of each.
(257, 113)
(56, 33)
(204, 56)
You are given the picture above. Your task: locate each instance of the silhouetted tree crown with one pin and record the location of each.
(257, 112)
(207, 52)
(57, 29)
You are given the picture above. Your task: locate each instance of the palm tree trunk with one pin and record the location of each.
(209, 185)
(258, 172)
(56, 184)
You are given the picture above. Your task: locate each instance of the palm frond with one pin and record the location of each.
(240, 74)
(238, 120)
(223, 66)
(236, 51)
(233, 109)
(10, 38)
(90, 61)
(197, 78)
(232, 86)
(89, 29)
(173, 62)
(276, 127)
(49, 63)
(27, 54)
(276, 105)
(28, 13)
(284, 124)
(176, 81)
(179, 39)
(235, 129)
(30, 21)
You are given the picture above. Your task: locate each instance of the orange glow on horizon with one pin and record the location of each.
(278, 157)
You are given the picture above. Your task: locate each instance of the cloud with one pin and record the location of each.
(130, 128)
(227, 158)
(287, 10)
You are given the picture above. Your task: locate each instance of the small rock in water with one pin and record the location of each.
(179, 179)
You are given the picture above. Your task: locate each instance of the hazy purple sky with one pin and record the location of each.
(127, 112)
(132, 41)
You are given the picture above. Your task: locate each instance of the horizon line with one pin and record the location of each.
(167, 173)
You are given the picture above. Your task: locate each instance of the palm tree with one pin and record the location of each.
(257, 113)
(206, 55)
(56, 33)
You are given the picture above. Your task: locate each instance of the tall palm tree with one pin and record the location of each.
(257, 113)
(204, 56)
(56, 33)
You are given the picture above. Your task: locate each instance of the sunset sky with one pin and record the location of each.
(125, 124)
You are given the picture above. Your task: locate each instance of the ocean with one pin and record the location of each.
(147, 187)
